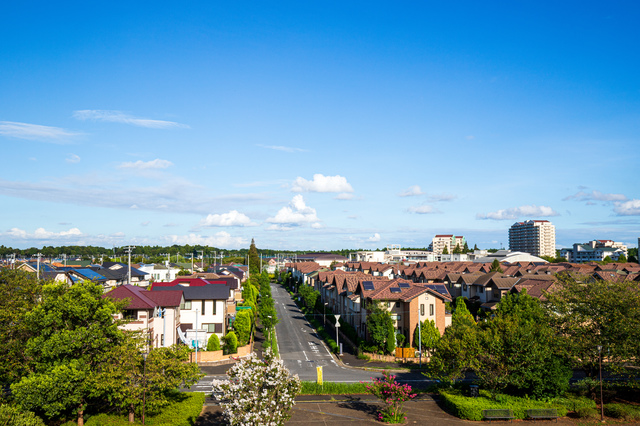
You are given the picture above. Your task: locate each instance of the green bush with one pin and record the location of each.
(230, 343)
(622, 411)
(332, 388)
(587, 413)
(471, 408)
(182, 412)
(214, 343)
(12, 416)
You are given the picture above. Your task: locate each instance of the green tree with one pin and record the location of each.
(242, 326)
(230, 343)
(214, 343)
(456, 249)
(254, 259)
(456, 352)
(588, 313)
(465, 248)
(445, 250)
(520, 351)
(461, 314)
(19, 293)
(390, 344)
(428, 334)
(123, 377)
(12, 416)
(378, 323)
(622, 259)
(495, 266)
(73, 328)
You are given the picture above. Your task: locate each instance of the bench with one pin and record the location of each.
(543, 413)
(497, 415)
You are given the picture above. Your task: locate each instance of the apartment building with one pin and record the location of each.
(595, 250)
(536, 237)
(450, 241)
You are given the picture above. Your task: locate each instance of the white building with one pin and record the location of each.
(536, 237)
(595, 250)
(450, 241)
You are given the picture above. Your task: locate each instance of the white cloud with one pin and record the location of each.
(220, 239)
(442, 197)
(36, 132)
(72, 159)
(344, 196)
(317, 225)
(595, 196)
(321, 183)
(374, 238)
(146, 165)
(518, 212)
(423, 209)
(283, 148)
(42, 234)
(295, 214)
(233, 218)
(412, 191)
(276, 227)
(121, 117)
(628, 208)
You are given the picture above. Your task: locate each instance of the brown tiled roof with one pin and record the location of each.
(143, 299)
(306, 267)
(535, 288)
(504, 282)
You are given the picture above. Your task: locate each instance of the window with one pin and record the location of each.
(431, 309)
(187, 304)
(464, 287)
(422, 309)
(130, 314)
(397, 304)
(214, 307)
(202, 307)
(211, 328)
(388, 304)
(481, 290)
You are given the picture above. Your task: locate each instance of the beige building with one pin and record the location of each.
(449, 241)
(536, 237)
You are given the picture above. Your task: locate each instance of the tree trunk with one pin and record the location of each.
(80, 417)
(132, 414)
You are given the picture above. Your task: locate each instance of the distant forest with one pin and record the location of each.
(150, 253)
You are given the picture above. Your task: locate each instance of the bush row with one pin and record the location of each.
(471, 408)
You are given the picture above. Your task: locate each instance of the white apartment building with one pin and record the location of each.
(449, 241)
(595, 250)
(536, 237)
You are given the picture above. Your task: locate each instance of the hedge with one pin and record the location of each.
(179, 413)
(471, 408)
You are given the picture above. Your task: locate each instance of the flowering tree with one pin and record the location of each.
(393, 395)
(258, 392)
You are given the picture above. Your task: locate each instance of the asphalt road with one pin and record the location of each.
(302, 350)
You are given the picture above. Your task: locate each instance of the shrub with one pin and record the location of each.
(259, 392)
(214, 343)
(230, 343)
(13, 416)
(471, 408)
(622, 411)
(332, 388)
(587, 413)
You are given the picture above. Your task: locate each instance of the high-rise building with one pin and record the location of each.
(449, 241)
(536, 237)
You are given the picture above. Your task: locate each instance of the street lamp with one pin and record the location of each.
(601, 400)
(324, 311)
(144, 381)
(269, 332)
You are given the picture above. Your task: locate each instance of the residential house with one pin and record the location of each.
(156, 314)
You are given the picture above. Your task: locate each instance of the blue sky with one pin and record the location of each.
(317, 125)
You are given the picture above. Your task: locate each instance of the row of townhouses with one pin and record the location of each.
(419, 291)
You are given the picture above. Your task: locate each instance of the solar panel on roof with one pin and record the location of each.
(368, 285)
(404, 285)
(439, 288)
(395, 290)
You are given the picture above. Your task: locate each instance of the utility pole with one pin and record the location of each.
(129, 249)
(38, 267)
(419, 338)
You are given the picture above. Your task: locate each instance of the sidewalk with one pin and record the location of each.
(357, 410)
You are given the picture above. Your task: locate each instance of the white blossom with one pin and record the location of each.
(258, 392)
